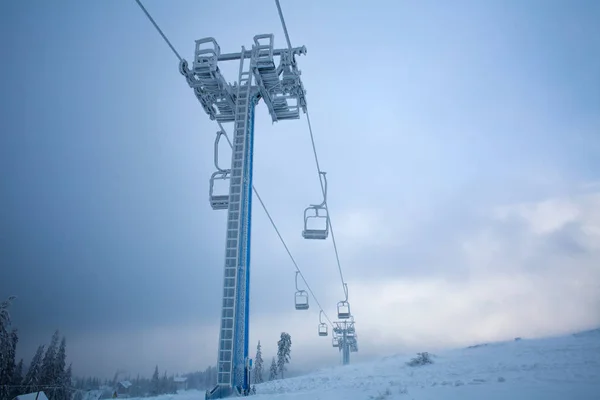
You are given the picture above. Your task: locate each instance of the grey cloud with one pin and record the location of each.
(566, 241)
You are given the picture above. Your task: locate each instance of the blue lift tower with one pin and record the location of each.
(282, 91)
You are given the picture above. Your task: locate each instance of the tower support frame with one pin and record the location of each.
(281, 89)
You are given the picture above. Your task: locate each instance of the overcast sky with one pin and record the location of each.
(461, 141)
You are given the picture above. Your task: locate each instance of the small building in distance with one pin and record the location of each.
(180, 382)
(123, 388)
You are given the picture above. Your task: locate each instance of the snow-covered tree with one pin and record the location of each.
(5, 315)
(33, 378)
(273, 370)
(45, 369)
(155, 383)
(284, 348)
(49, 373)
(66, 391)
(258, 365)
(8, 343)
(60, 361)
(59, 373)
(17, 380)
(211, 375)
(8, 350)
(164, 384)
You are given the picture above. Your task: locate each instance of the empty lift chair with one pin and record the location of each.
(322, 325)
(351, 331)
(311, 214)
(218, 201)
(343, 306)
(343, 310)
(211, 88)
(335, 342)
(301, 297)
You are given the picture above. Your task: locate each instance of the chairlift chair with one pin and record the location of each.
(322, 329)
(301, 300)
(218, 201)
(322, 325)
(343, 306)
(206, 55)
(343, 309)
(335, 342)
(351, 328)
(311, 214)
(301, 297)
(312, 233)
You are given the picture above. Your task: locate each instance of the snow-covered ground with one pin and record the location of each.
(565, 368)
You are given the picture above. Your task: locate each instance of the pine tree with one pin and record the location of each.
(59, 373)
(155, 383)
(5, 315)
(17, 380)
(66, 384)
(164, 384)
(284, 348)
(258, 365)
(49, 377)
(273, 371)
(135, 391)
(61, 359)
(33, 378)
(7, 349)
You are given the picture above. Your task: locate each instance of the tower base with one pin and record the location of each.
(222, 392)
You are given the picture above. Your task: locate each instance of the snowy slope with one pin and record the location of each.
(558, 368)
(566, 368)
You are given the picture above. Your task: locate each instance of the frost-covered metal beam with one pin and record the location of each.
(248, 53)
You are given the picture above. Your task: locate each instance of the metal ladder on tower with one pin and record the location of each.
(234, 286)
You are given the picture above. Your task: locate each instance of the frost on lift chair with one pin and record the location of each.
(343, 306)
(322, 330)
(335, 342)
(322, 326)
(343, 310)
(301, 298)
(351, 331)
(218, 201)
(311, 213)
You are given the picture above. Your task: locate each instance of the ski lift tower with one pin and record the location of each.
(345, 339)
(282, 91)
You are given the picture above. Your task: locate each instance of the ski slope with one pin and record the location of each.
(557, 368)
(565, 368)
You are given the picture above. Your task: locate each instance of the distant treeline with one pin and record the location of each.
(47, 371)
